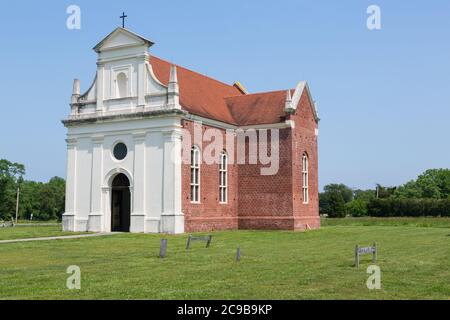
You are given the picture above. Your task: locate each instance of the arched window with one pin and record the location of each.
(305, 178)
(122, 85)
(195, 174)
(223, 178)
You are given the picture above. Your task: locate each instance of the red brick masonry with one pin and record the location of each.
(273, 202)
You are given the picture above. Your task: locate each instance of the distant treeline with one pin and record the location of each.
(45, 201)
(428, 195)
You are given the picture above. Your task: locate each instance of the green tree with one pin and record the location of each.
(336, 205)
(385, 192)
(435, 183)
(364, 195)
(29, 199)
(326, 201)
(10, 169)
(45, 201)
(346, 192)
(53, 198)
(409, 190)
(10, 177)
(432, 184)
(357, 208)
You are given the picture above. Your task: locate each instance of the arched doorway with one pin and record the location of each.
(120, 203)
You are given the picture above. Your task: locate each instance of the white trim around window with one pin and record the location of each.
(195, 175)
(223, 178)
(305, 178)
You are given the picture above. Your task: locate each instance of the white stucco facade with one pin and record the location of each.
(125, 104)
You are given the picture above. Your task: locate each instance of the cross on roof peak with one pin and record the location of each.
(123, 16)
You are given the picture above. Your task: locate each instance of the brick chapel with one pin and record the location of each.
(138, 140)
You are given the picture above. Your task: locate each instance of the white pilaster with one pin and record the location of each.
(95, 223)
(138, 214)
(173, 90)
(75, 97)
(288, 103)
(68, 218)
(106, 192)
(142, 77)
(172, 219)
(100, 86)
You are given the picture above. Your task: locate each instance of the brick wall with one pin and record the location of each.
(265, 201)
(209, 214)
(304, 140)
(256, 201)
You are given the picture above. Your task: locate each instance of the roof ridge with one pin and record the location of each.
(196, 72)
(259, 93)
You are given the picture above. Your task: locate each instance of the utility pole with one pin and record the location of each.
(17, 204)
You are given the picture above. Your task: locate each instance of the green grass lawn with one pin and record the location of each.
(370, 221)
(37, 231)
(37, 222)
(414, 262)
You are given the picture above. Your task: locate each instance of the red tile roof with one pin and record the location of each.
(209, 98)
(258, 108)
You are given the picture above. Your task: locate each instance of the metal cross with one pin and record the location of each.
(123, 19)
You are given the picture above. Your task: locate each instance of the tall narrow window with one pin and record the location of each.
(122, 85)
(195, 174)
(305, 178)
(223, 178)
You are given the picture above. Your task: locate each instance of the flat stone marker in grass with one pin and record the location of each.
(365, 250)
(206, 239)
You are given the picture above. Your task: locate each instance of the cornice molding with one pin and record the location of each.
(77, 120)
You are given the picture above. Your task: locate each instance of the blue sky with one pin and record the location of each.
(383, 96)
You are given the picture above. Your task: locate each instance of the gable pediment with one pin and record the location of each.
(121, 38)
